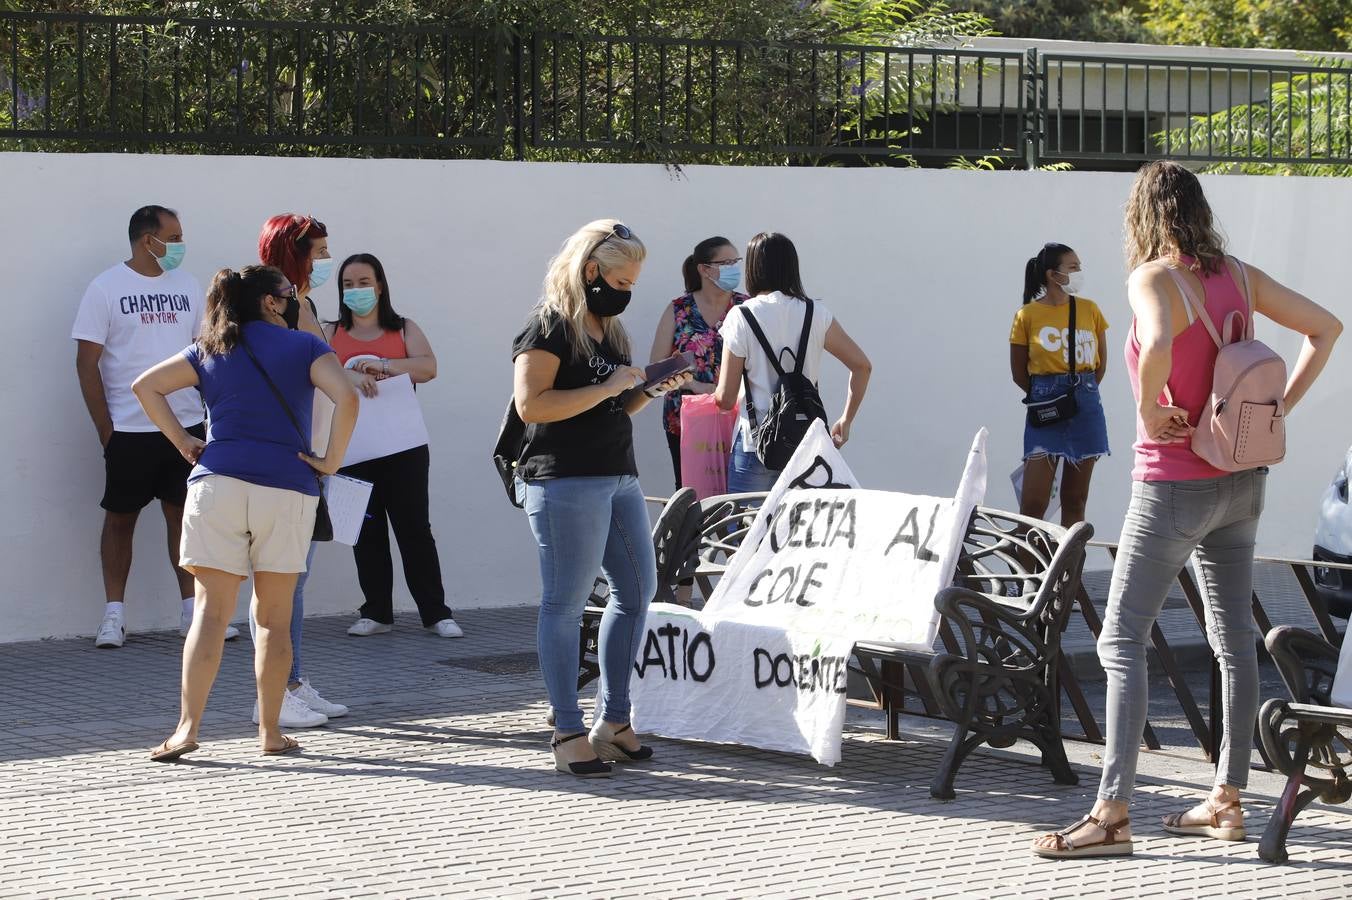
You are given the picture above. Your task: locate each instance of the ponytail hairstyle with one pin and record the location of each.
(1168, 216)
(1035, 273)
(565, 293)
(234, 299)
(284, 243)
(704, 253)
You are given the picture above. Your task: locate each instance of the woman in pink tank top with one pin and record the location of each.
(386, 345)
(1180, 504)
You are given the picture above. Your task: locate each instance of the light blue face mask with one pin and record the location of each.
(173, 255)
(361, 300)
(320, 271)
(729, 276)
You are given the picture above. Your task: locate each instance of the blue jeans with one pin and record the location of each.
(746, 473)
(297, 616)
(1167, 522)
(586, 525)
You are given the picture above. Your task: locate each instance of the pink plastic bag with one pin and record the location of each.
(706, 444)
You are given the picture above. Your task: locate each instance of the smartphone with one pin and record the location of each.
(660, 371)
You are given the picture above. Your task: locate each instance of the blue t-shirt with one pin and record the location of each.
(249, 435)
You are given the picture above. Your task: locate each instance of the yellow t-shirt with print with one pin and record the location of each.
(1043, 328)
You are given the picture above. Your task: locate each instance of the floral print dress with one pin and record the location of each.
(702, 341)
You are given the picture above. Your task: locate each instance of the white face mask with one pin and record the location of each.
(1074, 284)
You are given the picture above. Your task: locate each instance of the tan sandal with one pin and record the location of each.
(165, 753)
(289, 745)
(1173, 823)
(1109, 846)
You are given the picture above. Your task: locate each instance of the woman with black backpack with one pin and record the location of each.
(772, 351)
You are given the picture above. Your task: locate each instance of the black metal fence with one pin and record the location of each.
(137, 82)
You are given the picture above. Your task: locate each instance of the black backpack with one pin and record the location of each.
(794, 402)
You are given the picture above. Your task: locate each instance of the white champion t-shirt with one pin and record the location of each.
(140, 322)
(781, 318)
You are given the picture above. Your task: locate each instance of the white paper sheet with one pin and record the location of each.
(388, 423)
(347, 499)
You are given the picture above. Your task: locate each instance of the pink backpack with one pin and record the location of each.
(1243, 426)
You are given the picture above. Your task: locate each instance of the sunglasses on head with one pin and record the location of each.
(310, 222)
(617, 230)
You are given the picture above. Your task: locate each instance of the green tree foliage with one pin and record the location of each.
(1314, 25)
(1066, 20)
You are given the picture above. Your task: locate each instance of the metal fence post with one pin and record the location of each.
(1032, 121)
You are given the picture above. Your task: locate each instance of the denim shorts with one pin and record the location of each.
(1084, 436)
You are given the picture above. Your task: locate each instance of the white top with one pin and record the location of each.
(140, 322)
(781, 318)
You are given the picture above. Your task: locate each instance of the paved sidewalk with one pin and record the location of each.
(439, 784)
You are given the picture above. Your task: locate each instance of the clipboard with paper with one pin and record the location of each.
(390, 422)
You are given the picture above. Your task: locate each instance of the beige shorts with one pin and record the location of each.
(239, 527)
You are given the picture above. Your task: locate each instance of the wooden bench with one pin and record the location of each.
(994, 671)
(1307, 739)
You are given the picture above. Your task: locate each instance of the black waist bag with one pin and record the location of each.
(1062, 407)
(794, 404)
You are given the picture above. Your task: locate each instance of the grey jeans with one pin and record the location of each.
(1168, 521)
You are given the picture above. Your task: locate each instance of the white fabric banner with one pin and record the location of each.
(1341, 694)
(823, 566)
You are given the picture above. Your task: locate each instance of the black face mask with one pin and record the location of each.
(606, 301)
(291, 314)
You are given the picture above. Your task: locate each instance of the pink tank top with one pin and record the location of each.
(390, 345)
(1194, 361)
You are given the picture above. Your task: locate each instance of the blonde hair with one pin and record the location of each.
(565, 295)
(1168, 216)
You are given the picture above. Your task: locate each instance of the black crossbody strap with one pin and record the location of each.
(1074, 344)
(276, 392)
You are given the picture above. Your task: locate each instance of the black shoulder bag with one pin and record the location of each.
(507, 452)
(794, 403)
(323, 524)
(1062, 407)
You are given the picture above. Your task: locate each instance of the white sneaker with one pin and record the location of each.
(112, 633)
(310, 697)
(364, 627)
(185, 622)
(446, 628)
(295, 714)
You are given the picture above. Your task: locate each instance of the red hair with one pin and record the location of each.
(285, 244)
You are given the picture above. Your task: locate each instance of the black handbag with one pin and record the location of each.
(1062, 407)
(507, 452)
(323, 524)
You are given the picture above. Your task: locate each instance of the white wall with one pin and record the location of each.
(924, 268)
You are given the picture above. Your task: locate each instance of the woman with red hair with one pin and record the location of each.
(299, 246)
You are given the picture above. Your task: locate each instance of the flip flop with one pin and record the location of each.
(164, 753)
(1173, 823)
(291, 746)
(1109, 846)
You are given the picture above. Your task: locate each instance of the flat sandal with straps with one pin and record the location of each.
(1109, 845)
(1173, 823)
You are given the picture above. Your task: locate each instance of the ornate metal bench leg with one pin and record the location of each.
(962, 743)
(1273, 845)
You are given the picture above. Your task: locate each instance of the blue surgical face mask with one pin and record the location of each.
(361, 300)
(320, 271)
(729, 276)
(173, 254)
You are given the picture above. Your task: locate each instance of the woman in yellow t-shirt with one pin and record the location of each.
(1039, 360)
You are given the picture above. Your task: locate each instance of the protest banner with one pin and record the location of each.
(825, 564)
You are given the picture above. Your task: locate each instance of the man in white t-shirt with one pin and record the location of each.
(134, 315)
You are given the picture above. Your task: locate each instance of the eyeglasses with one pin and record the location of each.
(617, 230)
(288, 294)
(310, 222)
(722, 262)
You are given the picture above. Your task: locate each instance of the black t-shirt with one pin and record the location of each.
(598, 441)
